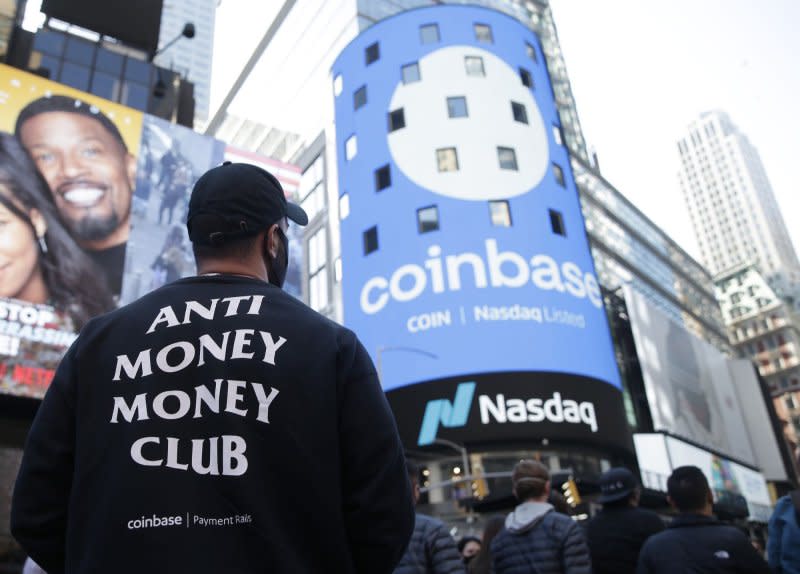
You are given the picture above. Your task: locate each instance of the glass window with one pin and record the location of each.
(337, 85)
(557, 223)
(520, 113)
(474, 66)
(79, 51)
(135, 95)
(50, 65)
(447, 159)
(531, 51)
(317, 270)
(372, 53)
(75, 76)
(383, 178)
(350, 147)
(457, 107)
(397, 120)
(559, 175)
(360, 97)
(344, 206)
(108, 62)
(429, 33)
(526, 78)
(49, 42)
(106, 86)
(370, 240)
(507, 158)
(337, 269)
(483, 33)
(500, 213)
(410, 73)
(557, 135)
(137, 70)
(427, 219)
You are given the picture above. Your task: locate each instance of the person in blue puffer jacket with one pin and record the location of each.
(783, 547)
(536, 539)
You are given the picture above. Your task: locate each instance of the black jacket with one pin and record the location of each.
(616, 535)
(215, 425)
(538, 540)
(431, 551)
(695, 544)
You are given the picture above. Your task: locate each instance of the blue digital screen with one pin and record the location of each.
(463, 249)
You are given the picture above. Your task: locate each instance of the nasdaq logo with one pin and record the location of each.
(449, 415)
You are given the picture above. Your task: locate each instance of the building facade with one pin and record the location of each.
(731, 204)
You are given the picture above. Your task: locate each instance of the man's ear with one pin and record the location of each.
(130, 168)
(272, 240)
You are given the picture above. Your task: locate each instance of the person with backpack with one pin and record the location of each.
(783, 547)
(536, 539)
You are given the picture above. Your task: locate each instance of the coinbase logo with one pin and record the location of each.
(449, 415)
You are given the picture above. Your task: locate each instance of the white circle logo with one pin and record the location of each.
(471, 130)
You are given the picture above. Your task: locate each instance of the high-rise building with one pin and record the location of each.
(190, 58)
(733, 210)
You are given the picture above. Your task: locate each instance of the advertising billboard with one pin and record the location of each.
(465, 260)
(689, 385)
(658, 455)
(93, 202)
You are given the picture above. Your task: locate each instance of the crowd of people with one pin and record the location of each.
(622, 538)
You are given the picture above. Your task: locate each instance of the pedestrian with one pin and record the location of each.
(482, 563)
(431, 550)
(616, 534)
(783, 545)
(216, 424)
(695, 541)
(468, 547)
(536, 539)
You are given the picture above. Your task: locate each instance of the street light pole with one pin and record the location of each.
(462, 449)
(381, 349)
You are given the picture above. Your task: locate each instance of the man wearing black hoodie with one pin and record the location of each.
(696, 541)
(216, 424)
(536, 539)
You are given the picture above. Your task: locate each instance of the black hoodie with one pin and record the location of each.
(214, 425)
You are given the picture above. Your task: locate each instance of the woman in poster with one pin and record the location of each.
(39, 260)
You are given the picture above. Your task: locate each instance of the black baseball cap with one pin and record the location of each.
(616, 484)
(237, 200)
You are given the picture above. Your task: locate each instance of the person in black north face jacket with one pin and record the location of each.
(216, 424)
(536, 539)
(695, 541)
(431, 550)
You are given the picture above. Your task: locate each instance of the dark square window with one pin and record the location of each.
(371, 240)
(75, 76)
(557, 223)
(531, 51)
(359, 97)
(457, 107)
(559, 175)
(447, 159)
(500, 213)
(383, 178)
(49, 42)
(79, 51)
(507, 158)
(474, 66)
(397, 120)
(135, 96)
(410, 73)
(520, 113)
(526, 78)
(106, 86)
(429, 33)
(372, 53)
(427, 219)
(110, 62)
(49, 67)
(137, 70)
(483, 33)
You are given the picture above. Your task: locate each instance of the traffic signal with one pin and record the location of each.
(570, 490)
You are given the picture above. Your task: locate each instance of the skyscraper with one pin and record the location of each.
(733, 210)
(191, 58)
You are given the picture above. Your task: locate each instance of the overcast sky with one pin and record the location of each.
(641, 70)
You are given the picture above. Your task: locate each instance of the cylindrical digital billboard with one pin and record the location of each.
(466, 270)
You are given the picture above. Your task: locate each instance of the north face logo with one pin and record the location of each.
(450, 415)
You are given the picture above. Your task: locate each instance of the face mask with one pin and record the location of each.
(280, 263)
